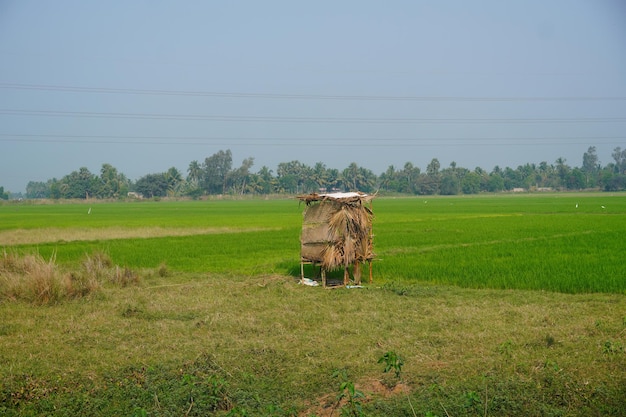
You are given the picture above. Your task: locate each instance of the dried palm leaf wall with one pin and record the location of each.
(337, 231)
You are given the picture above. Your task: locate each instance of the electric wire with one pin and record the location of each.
(305, 141)
(288, 119)
(294, 96)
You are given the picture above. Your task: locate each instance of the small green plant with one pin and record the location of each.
(611, 347)
(140, 412)
(550, 364)
(472, 401)
(394, 361)
(506, 349)
(237, 412)
(348, 393)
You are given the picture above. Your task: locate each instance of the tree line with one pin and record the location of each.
(216, 175)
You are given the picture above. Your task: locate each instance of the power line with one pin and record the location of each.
(367, 139)
(279, 96)
(285, 119)
(307, 141)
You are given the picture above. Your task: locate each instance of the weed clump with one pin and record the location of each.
(163, 271)
(30, 277)
(33, 279)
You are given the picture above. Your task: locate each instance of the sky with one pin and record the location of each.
(146, 85)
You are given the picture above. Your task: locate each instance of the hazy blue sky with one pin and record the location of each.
(147, 85)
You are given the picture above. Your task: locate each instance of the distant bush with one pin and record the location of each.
(32, 278)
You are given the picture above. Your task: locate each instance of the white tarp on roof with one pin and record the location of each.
(343, 195)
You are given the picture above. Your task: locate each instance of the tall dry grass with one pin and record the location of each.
(37, 280)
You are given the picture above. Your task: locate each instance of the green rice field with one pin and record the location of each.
(568, 243)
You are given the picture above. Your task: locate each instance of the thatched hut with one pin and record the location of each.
(337, 233)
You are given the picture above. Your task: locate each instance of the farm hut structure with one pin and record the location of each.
(337, 234)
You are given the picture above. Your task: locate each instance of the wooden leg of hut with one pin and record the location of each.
(301, 271)
(357, 273)
(323, 277)
(346, 276)
(370, 262)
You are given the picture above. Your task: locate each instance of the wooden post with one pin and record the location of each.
(357, 273)
(370, 262)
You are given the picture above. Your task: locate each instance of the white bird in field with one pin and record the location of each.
(89, 211)
(603, 207)
(576, 205)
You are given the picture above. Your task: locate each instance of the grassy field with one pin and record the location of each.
(498, 305)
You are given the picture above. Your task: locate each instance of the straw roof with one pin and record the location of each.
(344, 198)
(337, 229)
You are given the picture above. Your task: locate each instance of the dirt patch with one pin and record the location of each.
(51, 234)
(328, 406)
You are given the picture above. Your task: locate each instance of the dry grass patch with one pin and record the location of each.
(52, 234)
(30, 277)
(33, 279)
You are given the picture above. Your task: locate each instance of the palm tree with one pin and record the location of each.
(194, 172)
(562, 170)
(319, 176)
(174, 180)
(352, 176)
